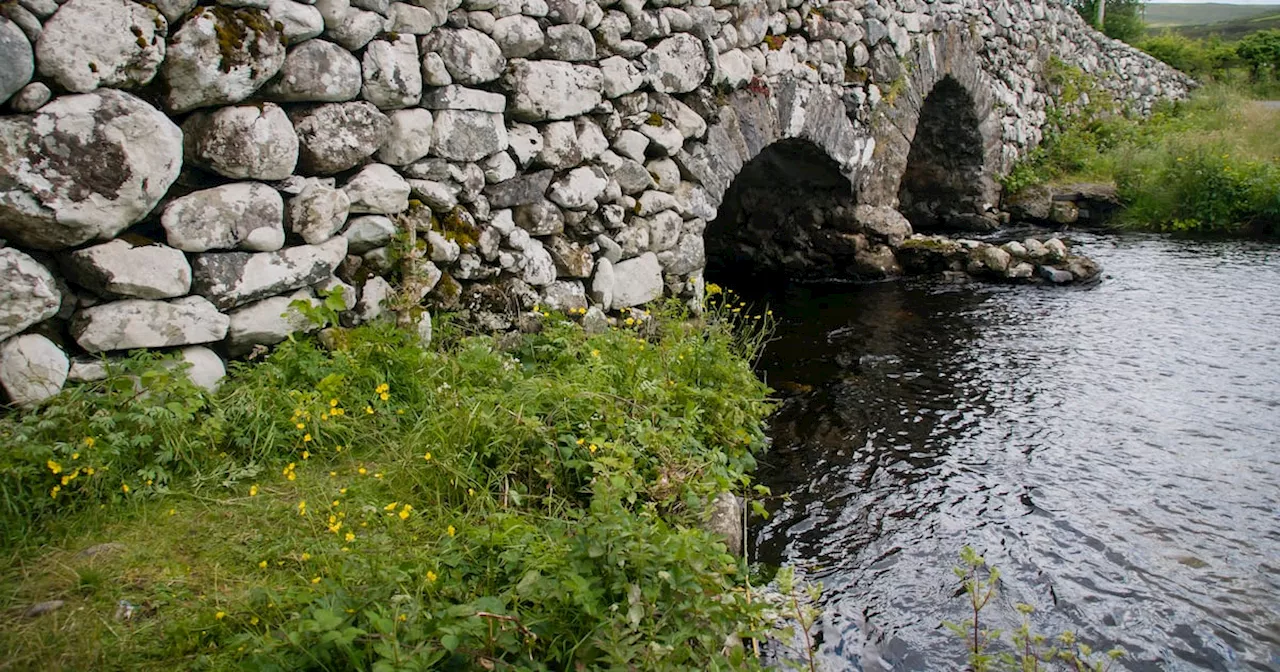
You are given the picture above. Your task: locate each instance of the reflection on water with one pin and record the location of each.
(1115, 450)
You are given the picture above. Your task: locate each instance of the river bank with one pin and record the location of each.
(529, 501)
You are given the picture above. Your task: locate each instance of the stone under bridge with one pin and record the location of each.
(174, 174)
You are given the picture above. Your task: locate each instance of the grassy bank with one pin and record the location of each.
(1208, 165)
(380, 506)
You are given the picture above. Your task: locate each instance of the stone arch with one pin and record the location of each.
(779, 165)
(937, 118)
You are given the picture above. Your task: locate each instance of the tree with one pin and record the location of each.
(1261, 52)
(1122, 19)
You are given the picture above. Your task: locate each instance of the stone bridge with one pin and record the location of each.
(175, 174)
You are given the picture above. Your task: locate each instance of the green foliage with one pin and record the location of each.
(1123, 19)
(1026, 650)
(1209, 165)
(1247, 65)
(384, 506)
(1260, 51)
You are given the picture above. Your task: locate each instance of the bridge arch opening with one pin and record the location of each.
(943, 184)
(789, 213)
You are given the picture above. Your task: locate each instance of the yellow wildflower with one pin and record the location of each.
(302, 508)
(253, 620)
(333, 403)
(378, 475)
(300, 426)
(595, 353)
(173, 512)
(54, 492)
(306, 438)
(402, 618)
(368, 409)
(124, 487)
(404, 513)
(351, 536)
(220, 615)
(253, 490)
(431, 576)
(427, 457)
(581, 441)
(592, 448)
(306, 557)
(451, 531)
(75, 456)
(315, 580)
(384, 396)
(306, 454)
(262, 565)
(362, 471)
(54, 466)
(89, 441)
(391, 507)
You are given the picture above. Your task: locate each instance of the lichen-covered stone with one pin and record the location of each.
(338, 136)
(377, 189)
(318, 211)
(467, 135)
(84, 167)
(221, 56)
(242, 142)
(550, 90)
(231, 279)
(392, 73)
(316, 71)
(267, 322)
(470, 56)
(28, 293)
(677, 65)
(138, 323)
(89, 44)
(244, 215)
(120, 269)
(298, 21)
(636, 281)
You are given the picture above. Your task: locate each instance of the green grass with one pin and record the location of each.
(1210, 164)
(531, 504)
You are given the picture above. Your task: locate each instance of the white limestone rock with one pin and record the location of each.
(564, 296)
(733, 69)
(318, 211)
(518, 36)
(243, 215)
(31, 98)
(316, 71)
(468, 135)
(368, 233)
(202, 67)
(377, 189)
(411, 19)
(138, 323)
(372, 297)
(677, 65)
(687, 256)
(32, 369)
(620, 76)
(602, 284)
(119, 269)
(267, 322)
(28, 293)
(392, 73)
(202, 366)
(560, 147)
(408, 137)
(636, 281)
(498, 168)
(337, 136)
(90, 44)
(470, 56)
(83, 167)
(540, 218)
(231, 279)
(578, 188)
(571, 43)
(299, 21)
(243, 142)
(454, 97)
(349, 26)
(539, 268)
(550, 90)
(174, 9)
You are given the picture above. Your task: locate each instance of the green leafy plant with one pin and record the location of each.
(1025, 651)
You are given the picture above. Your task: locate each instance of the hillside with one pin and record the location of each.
(1200, 14)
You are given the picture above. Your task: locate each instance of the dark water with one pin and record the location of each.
(1114, 450)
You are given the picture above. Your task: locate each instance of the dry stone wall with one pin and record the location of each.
(175, 174)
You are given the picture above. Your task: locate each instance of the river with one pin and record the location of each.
(1113, 449)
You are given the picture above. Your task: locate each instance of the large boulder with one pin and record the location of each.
(316, 71)
(231, 279)
(549, 90)
(677, 65)
(32, 369)
(83, 167)
(885, 222)
(221, 55)
(392, 73)
(636, 281)
(17, 63)
(470, 56)
(28, 292)
(244, 215)
(90, 44)
(467, 135)
(338, 136)
(244, 142)
(138, 323)
(119, 269)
